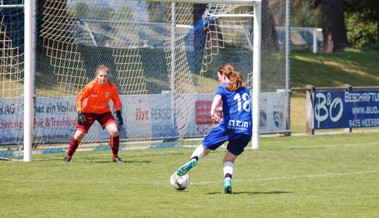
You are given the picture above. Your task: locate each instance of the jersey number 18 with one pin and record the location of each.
(243, 102)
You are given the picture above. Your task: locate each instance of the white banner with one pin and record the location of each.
(145, 117)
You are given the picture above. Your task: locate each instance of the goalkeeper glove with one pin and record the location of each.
(81, 118)
(120, 122)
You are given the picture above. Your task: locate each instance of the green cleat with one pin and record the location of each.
(227, 186)
(186, 167)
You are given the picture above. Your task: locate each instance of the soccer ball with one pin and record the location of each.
(179, 182)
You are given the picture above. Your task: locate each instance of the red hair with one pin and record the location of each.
(235, 78)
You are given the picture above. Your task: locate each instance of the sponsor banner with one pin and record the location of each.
(145, 117)
(272, 112)
(345, 109)
(11, 120)
(149, 116)
(203, 109)
(55, 119)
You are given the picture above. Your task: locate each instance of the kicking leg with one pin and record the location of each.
(198, 153)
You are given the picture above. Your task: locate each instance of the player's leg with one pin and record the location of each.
(215, 138)
(198, 153)
(81, 131)
(114, 141)
(236, 146)
(108, 122)
(74, 144)
(228, 170)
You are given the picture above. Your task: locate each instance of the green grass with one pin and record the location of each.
(352, 66)
(302, 176)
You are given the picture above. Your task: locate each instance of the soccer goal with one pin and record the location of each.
(163, 57)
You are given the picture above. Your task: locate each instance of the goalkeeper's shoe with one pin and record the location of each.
(117, 160)
(186, 167)
(228, 186)
(67, 159)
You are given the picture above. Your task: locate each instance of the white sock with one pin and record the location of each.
(198, 152)
(228, 168)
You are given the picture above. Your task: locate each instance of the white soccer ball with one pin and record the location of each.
(179, 182)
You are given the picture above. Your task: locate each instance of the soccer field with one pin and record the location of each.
(297, 176)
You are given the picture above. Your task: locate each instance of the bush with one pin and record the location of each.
(360, 32)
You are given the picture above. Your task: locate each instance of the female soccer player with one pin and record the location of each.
(235, 127)
(97, 95)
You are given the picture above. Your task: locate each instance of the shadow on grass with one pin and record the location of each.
(90, 160)
(125, 162)
(253, 193)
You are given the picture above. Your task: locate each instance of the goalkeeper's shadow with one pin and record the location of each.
(124, 162)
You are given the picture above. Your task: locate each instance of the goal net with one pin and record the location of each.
(163, 58)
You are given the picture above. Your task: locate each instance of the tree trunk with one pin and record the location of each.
(270, 39)
(333, 25)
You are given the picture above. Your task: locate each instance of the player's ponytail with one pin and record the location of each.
(235, 78)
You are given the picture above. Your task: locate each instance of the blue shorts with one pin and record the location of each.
(218, 135)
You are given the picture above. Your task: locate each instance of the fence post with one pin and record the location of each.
(315, 40)
(349, 88)
(309, 110)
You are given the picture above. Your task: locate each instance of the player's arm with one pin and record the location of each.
(83, 94)
(116, 101)
(117, 106)
(214, 109)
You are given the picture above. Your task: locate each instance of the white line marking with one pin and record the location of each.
(297, 177)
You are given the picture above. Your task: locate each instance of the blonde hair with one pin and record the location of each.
(102, 68)
(235, 78)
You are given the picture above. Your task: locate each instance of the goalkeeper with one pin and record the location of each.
(235, 127)
(92, 105)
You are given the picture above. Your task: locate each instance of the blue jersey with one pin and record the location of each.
(236, 109)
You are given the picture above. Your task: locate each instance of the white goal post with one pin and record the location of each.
(29, 70)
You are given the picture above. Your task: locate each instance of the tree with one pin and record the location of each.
(333, 25)
(301, 16)
(269, 36)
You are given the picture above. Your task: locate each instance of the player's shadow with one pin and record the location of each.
(95, 161)
(125, 162)
(254, 193)
(91, 160)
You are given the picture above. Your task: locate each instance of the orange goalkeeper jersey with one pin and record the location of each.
(97, 98)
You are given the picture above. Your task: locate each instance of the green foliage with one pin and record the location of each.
(360, 32)
(319, 176)
(301, 16)
(361, 18)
